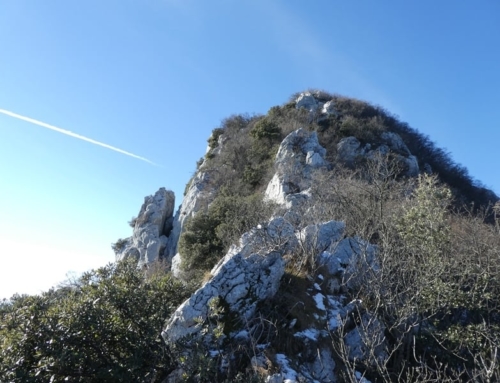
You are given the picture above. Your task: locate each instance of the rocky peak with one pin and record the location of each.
(259, 267)
(151, 228)
(298, 154)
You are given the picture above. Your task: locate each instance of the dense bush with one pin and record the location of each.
(103, 327)
(121, 243)
(213, 140)
(209, 233)
(436, 284)
(366, 122)
(265, 130)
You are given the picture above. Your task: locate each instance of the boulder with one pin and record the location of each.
(199, 194)
(298, 155)
(347, 255)
(247, 275)
(350, 150)
(307, 101)
(396, 143)
(319, 237)
(367, 341)
(151, 228)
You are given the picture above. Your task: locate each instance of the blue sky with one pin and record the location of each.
(154, 77)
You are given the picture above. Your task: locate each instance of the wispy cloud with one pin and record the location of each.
(75, 135)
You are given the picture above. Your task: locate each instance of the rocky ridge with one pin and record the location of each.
(251, 271)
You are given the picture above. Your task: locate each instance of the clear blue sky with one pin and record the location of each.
(154, 77)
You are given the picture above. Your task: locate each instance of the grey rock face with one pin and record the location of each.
(368, 335)
(152, 226)
(242, 279)
(306, 100)
(175, 266)
(241, 282)
(346, 254)
(278, 234)
(350, 150)
(199, 195)
(322, 369)
(298, 154)
(320, 237)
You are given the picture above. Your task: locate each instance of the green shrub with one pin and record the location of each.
(213, 140)
(209, 234)
(266, 129)
(120, 244)
(132, 222)
(199, 246)
(105, 327)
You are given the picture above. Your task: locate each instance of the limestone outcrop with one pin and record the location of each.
(295, 256)
(151, 228)
(350, 151)
(199, 194)
(247, 275)
(298, 154)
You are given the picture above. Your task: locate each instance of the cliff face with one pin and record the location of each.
(286, 286)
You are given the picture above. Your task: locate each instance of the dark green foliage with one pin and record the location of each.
(199, 246)
(253, 175)
(213, 140)
(245, 162)
(436, 285)
(265, 130)
(105, 327)
(367, 122)
(132, 222)
(210, 233)
(122, 242)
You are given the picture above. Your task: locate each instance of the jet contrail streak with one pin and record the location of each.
(71, 134)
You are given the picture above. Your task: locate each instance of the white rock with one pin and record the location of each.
(315, 160)
(152, 226)
(322, 369)
(277, 234)
(275, 378)
(241, 282)
(317, 238)
(198, 195)
(367, 341)
(288, 373)
(348, 149)
(329, 108)
(306, 100)
(298, 154)
(176, 266)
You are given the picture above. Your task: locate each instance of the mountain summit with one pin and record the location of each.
(325, 241)
(320, 239)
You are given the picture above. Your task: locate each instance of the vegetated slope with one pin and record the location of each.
(239, 163)
(419, 306)
(327, 242)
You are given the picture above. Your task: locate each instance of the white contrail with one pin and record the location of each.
(71, 134)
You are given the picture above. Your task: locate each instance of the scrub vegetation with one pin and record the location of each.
(436, 289)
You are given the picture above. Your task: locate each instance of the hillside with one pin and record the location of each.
(325, 241)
